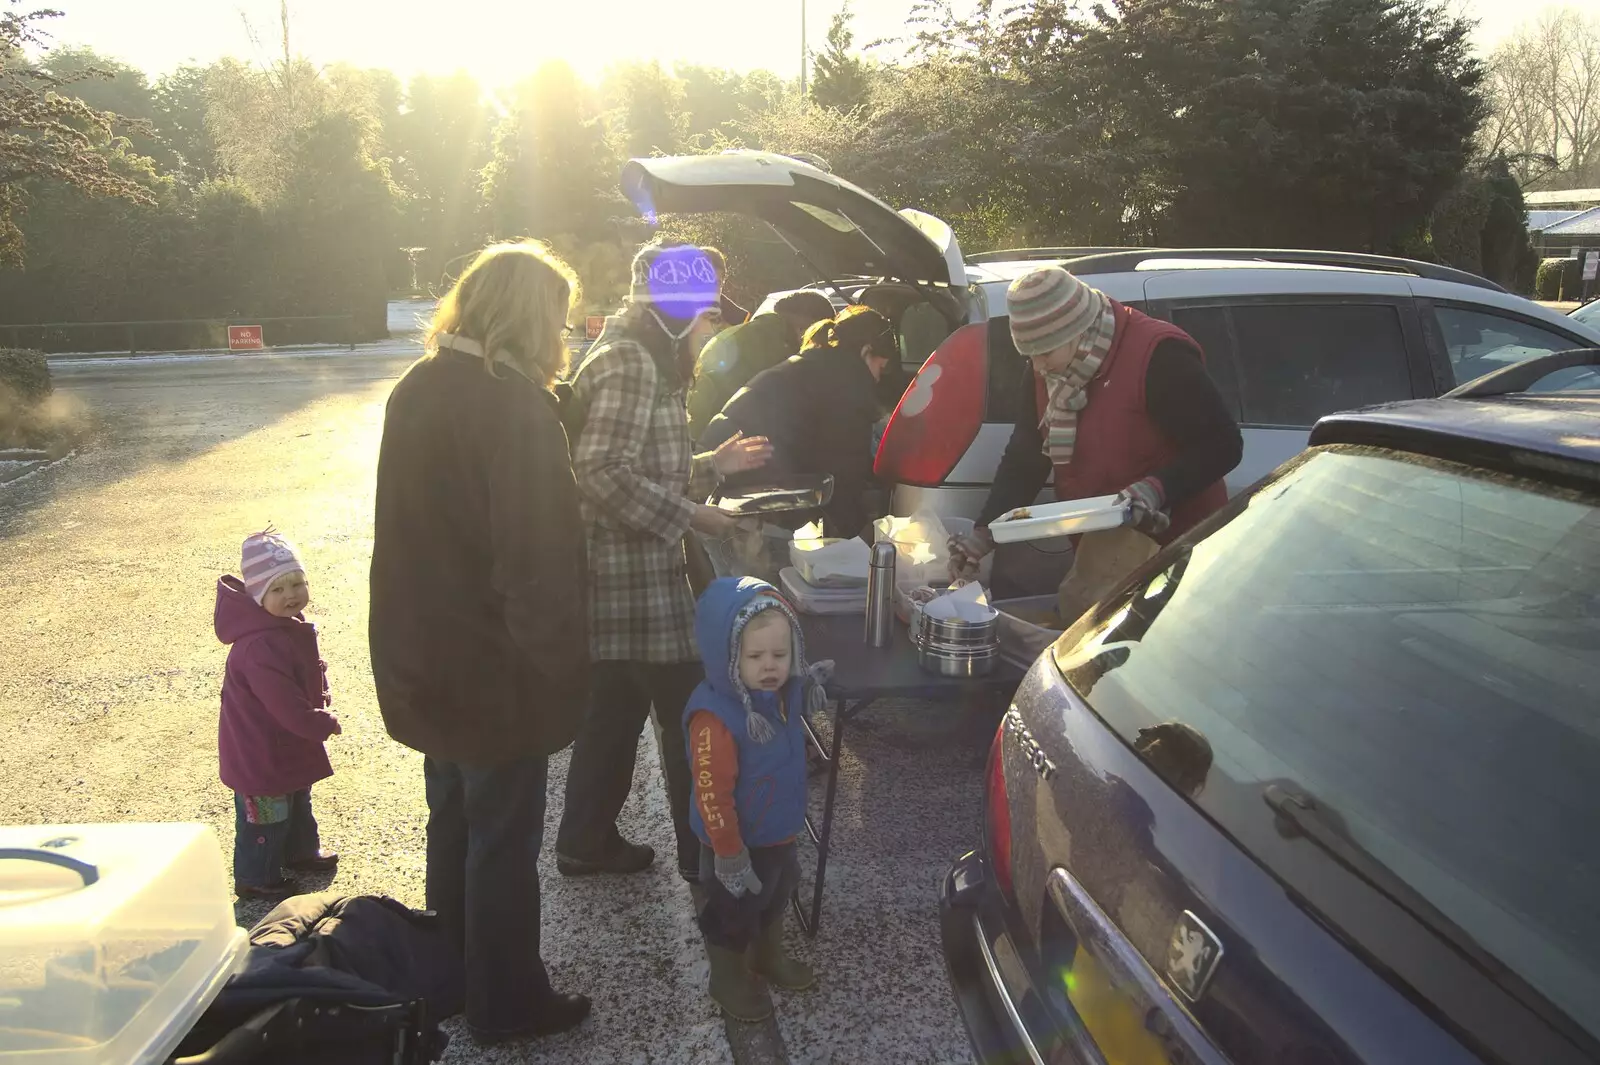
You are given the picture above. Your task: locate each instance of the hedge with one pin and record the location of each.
(1554, 277)
(25, 374)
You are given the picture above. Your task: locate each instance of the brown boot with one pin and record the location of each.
(735, 988)
(777, 966)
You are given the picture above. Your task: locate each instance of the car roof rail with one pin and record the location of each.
(1023, 255)
(1521, 376)
(1117, 262)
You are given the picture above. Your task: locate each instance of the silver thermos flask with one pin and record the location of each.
(880, 595)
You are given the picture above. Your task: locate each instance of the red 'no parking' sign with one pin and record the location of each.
(244, 338)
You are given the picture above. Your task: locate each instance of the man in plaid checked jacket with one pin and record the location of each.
(641, 492)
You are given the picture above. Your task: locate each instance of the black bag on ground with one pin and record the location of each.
(334, 979)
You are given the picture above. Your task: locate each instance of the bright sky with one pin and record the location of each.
(503, 40)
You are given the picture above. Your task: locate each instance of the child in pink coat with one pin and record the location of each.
(274, 718)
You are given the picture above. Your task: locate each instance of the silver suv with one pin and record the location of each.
(1288, 335)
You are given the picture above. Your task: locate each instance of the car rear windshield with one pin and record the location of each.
(1415, 646)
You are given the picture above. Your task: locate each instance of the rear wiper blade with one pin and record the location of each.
(1325, 828)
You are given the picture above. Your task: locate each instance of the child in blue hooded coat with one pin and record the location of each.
(747, 758)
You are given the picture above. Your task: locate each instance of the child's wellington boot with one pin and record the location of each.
(771, 961)
(734, 988)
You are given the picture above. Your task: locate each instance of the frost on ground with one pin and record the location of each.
(14, 470)
(110, 672)
(109, 679)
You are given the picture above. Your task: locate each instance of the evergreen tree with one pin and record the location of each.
(49, 134)
(180, 122)
(646, 110)
(442, 142)
(550, 172)
(109, 85)
(1254, 123)
(840, 79)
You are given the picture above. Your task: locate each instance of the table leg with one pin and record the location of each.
(823, 837)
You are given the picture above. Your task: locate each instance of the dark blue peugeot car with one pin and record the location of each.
(1321, 782)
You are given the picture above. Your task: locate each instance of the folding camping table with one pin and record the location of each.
(863, 676)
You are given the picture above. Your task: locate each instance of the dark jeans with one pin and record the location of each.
(732, 923)
(620, 699)
(261, 851)
(485, 827)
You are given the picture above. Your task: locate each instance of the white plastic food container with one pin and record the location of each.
(1059, 519)
(825, 564)
(811, 600)
(113, 940)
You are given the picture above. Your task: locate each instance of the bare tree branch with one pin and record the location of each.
(1544, 83)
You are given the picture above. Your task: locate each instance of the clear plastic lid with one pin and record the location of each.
(113, 940)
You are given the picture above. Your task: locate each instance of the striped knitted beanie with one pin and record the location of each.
(266, 557)
(1050, 309)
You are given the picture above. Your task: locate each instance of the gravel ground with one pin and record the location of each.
(109, 685)
(909, 802)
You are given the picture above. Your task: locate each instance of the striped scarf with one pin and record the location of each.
(1067, 388)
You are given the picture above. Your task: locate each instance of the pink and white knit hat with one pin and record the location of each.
(266, 557)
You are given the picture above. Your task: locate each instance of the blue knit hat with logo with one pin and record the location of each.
(677, 281)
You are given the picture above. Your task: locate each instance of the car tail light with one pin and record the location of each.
(940, 414)
(997, 820)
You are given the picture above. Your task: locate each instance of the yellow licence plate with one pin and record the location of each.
(1116, 1023)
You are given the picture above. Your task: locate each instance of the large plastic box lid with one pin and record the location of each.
(1028, 627)
(113, 940)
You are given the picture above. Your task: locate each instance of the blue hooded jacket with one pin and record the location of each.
(770, 796)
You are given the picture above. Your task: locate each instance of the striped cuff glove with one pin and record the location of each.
(1146, 501)
(966, 550)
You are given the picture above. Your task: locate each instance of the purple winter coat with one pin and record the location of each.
(269, 738)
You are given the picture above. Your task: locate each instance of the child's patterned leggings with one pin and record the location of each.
(270, 831)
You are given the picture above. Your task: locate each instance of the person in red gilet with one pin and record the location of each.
(1116, 402)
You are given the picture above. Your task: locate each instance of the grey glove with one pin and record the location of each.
(818, 675)
(966, 551)
(737, 875)
(1146, 501)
